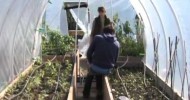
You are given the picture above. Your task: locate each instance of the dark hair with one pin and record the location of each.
(109, 29)
(101, 9)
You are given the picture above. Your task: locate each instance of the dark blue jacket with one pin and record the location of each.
(103, 51)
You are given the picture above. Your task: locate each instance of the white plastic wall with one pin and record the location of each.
(19, 39)
(169, 18)
(56, 16)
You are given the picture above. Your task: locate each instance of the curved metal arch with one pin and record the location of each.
(28, 24)
(179, 28)
(40, 19)
(147, 17)
(162, 28)
(180, 33)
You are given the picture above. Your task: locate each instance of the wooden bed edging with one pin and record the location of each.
(160, 83)
(73, 87)
(49, 57)
(168, 91)
(3, 92)
(71, 95)
(132, 61)
(107, 90)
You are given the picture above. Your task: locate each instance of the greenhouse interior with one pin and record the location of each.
(43, 47)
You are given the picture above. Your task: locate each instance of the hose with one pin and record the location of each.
(119, 76)
(124, 84)
(58, 79)
(152, 86)
(161, 93)
(56, 87)
(144, 74)
(30, 76)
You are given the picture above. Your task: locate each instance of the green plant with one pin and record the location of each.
(129, 45)
(126, 28)
(42, 85)
(53, 43)
(134, 82)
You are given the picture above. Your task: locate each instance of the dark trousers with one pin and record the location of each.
(88, 83)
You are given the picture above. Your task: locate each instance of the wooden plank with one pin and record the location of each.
(132, 61)
(49, 57)
(73, 88)
(163, 86)
(12, 83)
(107, 90)
(76, 74)
(79, 32)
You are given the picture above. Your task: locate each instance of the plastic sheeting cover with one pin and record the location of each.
(19, 39)
(168, 18)
(56, 16)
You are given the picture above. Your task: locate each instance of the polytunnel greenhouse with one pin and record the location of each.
(43, 47)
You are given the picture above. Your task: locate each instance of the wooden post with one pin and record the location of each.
(73, 88)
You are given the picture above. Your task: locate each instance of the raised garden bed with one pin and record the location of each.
(137, 87)
(54, 43)
(47, 81)
(58, 58)
(132, 61)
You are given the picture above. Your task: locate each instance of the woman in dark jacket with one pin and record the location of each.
(99, 22)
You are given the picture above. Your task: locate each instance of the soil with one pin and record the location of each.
(135, 84)
(42, 85)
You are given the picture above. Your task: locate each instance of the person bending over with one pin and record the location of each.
(102, 56)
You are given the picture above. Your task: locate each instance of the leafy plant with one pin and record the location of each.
(134, 82)
(53, 43)
(126, 28)
(42, 85)
(129, 45)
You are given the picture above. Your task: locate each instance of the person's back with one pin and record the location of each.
(106, 50)
(102, 56)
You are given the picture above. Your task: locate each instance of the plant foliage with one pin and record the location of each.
(56, 44)
(42, 85)
(129, 45)
(135, 84)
